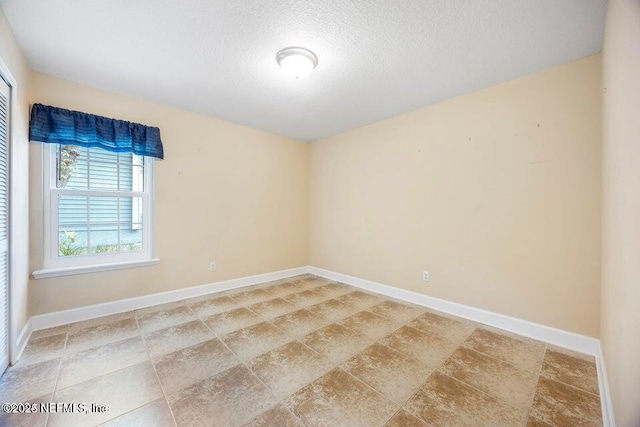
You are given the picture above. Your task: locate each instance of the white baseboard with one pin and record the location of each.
(569, 340)
(22, 341)
(49, 320)
(565, 339)
(608, 418)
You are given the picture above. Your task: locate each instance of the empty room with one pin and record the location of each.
(305, 213)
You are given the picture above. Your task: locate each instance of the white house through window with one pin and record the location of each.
(99, 206)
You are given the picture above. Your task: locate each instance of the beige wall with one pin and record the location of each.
(496, 193)
(12, 58)
(621, 209)
(224, 193)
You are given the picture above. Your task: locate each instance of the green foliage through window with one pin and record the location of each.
(68, 157)
(67, 245)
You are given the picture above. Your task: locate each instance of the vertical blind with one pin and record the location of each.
(4, 143)
(4, 224)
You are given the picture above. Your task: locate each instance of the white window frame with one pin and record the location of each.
(55, 265)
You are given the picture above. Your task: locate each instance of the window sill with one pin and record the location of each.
(84, 269)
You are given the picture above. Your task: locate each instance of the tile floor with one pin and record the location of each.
(299, 352)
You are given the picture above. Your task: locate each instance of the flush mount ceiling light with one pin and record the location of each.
(297, 62)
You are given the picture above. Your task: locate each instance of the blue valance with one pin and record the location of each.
(55, 125)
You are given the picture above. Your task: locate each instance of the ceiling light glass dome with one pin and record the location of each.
(297, 62)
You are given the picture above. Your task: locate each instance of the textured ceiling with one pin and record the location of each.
(377, 59)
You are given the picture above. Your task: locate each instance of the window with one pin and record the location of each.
(97, 206)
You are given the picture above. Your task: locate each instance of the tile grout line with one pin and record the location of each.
(336, 366)
(436, 369)
(482, 391)
(296, 339)
(490, 356)
(242, 362)
(399, 405)
(533, 397)
(461, 345)
(139, 335)
(106, 373)
(55, 384)
(485, 393)
(433, 334)
(374, 390)
(570, 386)
(473, 387)
(539, 374)
(153, 366)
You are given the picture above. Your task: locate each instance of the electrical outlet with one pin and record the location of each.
(426, 276)
(212, 266)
